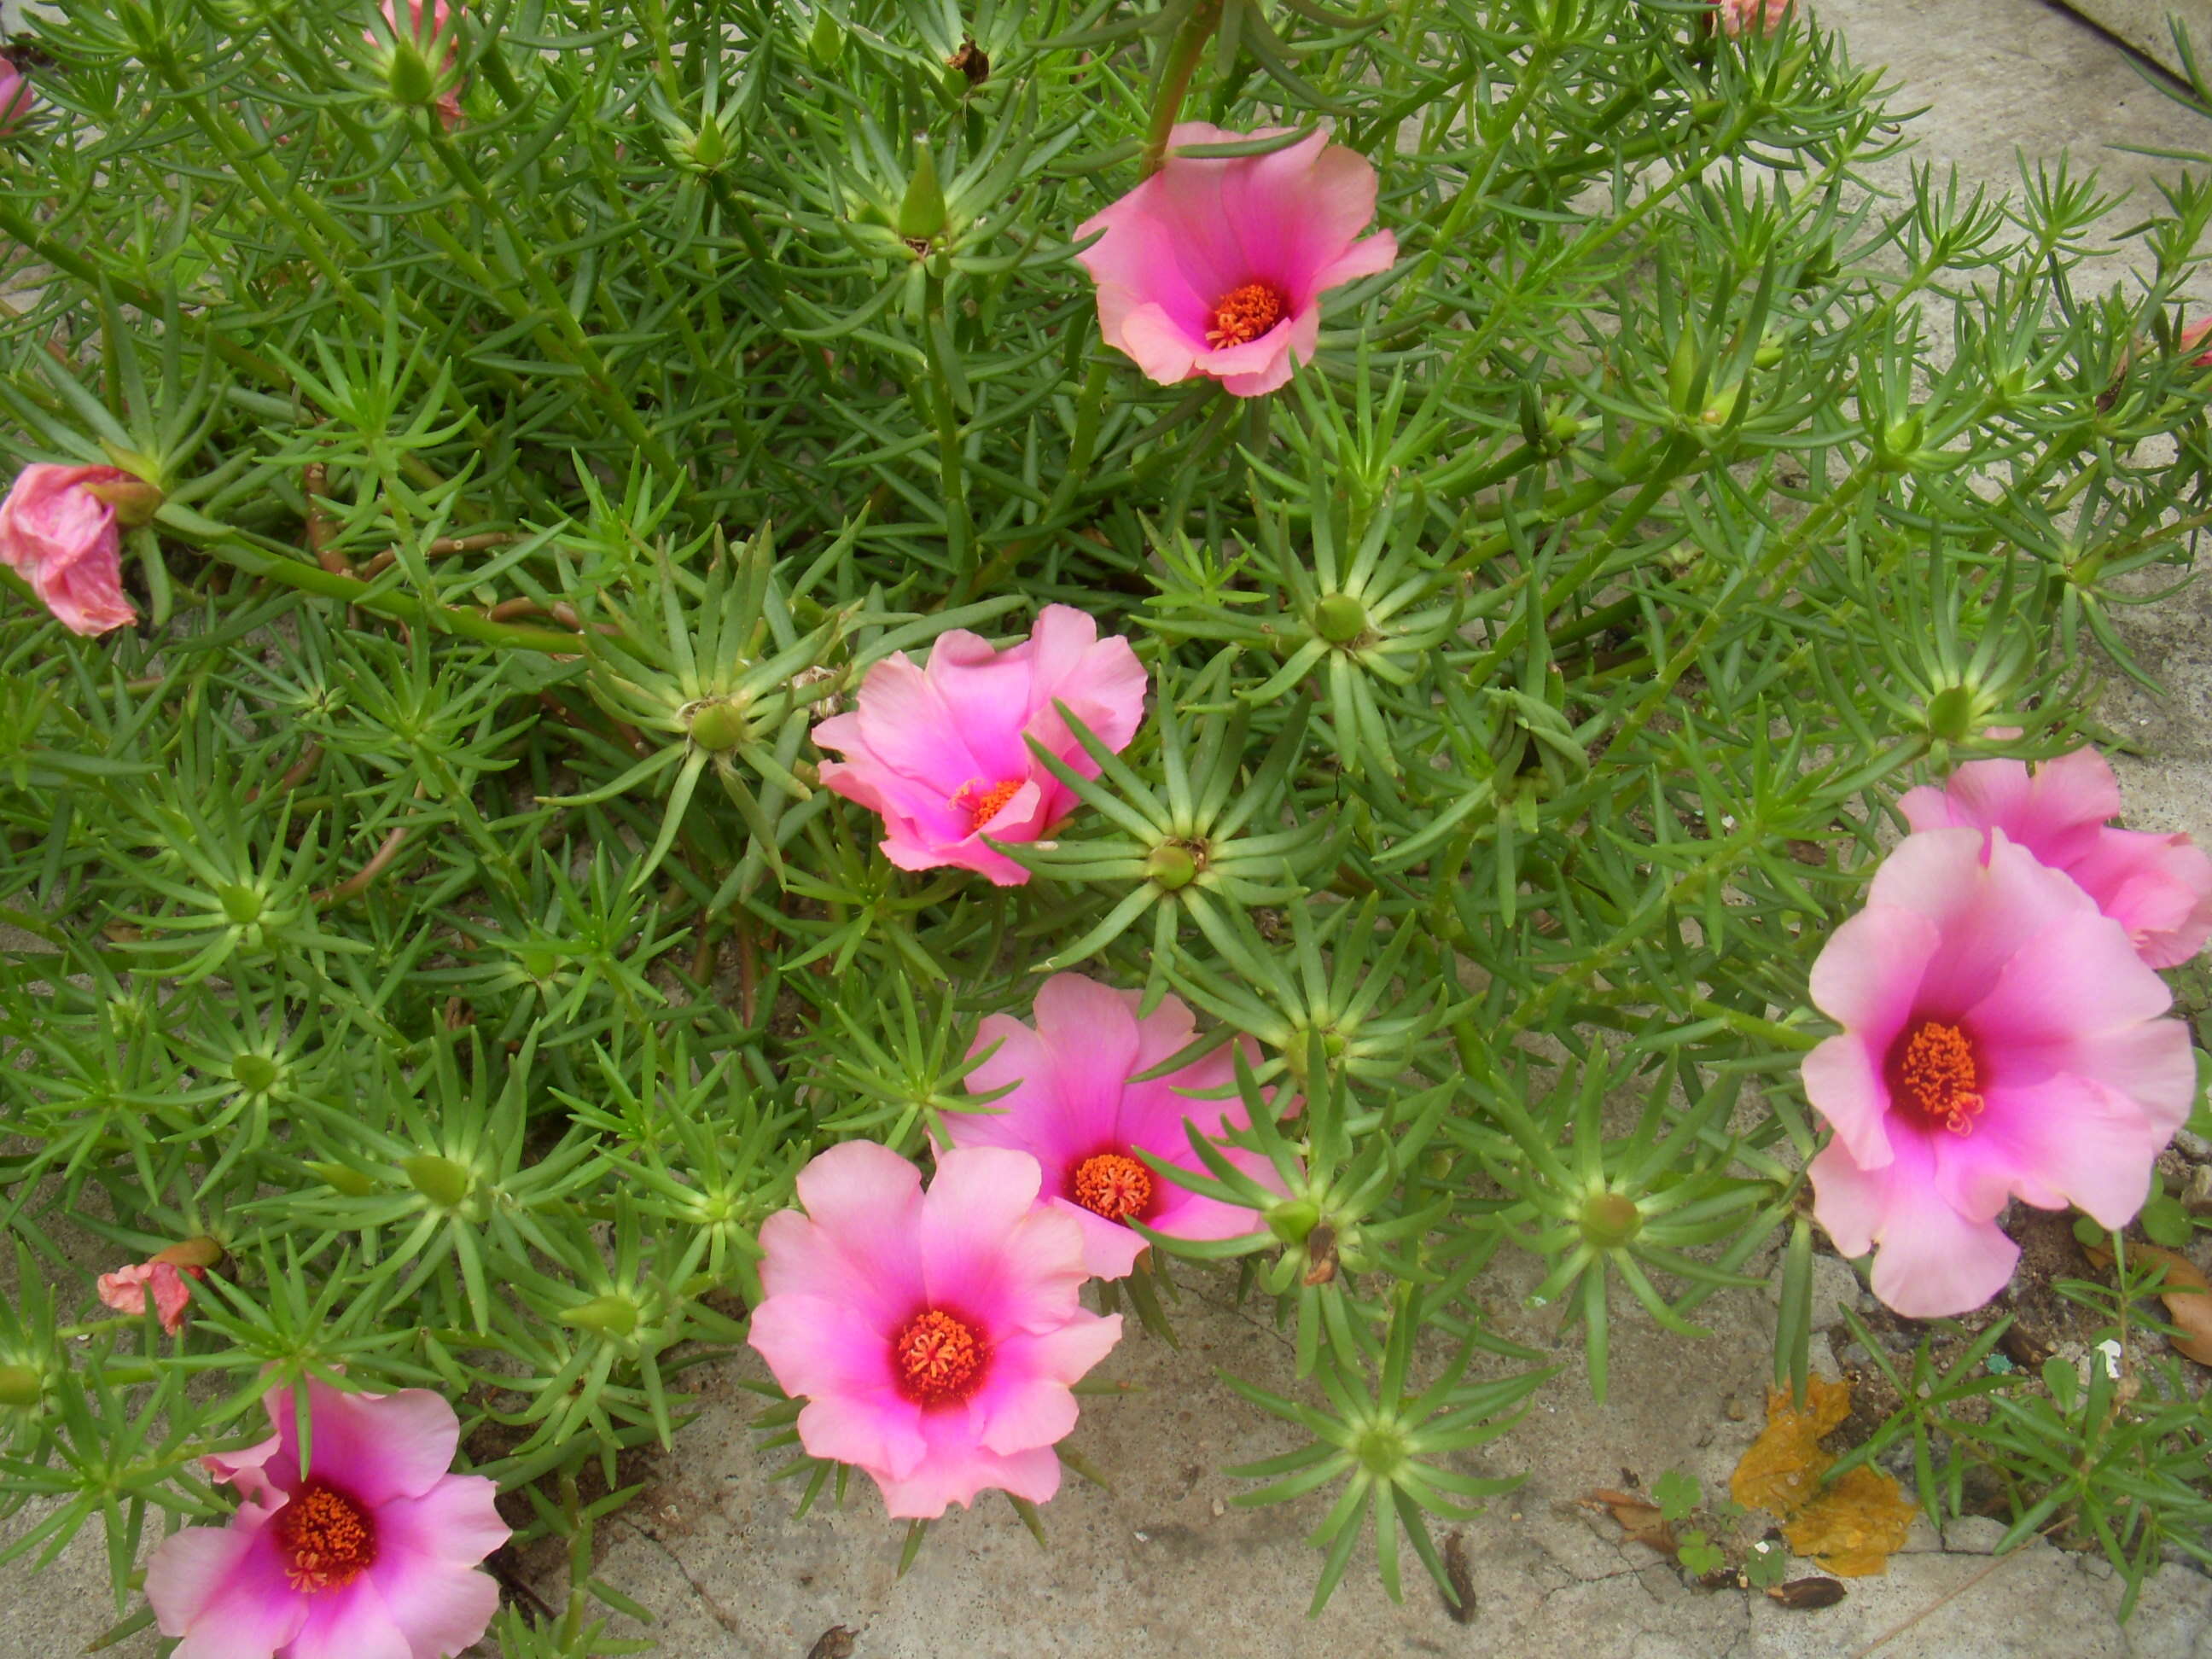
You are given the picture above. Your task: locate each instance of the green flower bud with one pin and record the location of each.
(921, 214)
(409, 78)
(352, 1182)
(718, 725)
(1293, 1219)
(825, 42)
(1899, 441)
(1171, 866)
(1771, 352)
(1951, 713)
(255, 1074)
(709, 147)
(1682, 374)
(1610, 1218)
(135, 501)
(1340, 618)
(609, 1315)
(441, 1179)
(21, 1386)
(242, 905)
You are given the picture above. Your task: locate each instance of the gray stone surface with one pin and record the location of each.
(2146, 25)
(1164, 1564)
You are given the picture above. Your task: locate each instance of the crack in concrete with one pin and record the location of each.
(721, 1614)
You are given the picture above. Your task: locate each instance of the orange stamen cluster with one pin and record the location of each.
(1243, 314)
(1114, 1185)
(326, 1539)
(985, 807)
(1933, 1072)
(939, 1357)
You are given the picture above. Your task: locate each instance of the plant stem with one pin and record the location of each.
(1189, 46)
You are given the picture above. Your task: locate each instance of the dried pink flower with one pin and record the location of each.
(2000, 1040)
(933, 1335)
(1217, 267)
(1738, 15)
(940, 752)
(126, 1289)
(58, 534)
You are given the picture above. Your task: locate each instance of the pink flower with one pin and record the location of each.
(1076, 1111)
(2193, 337)
(126, 1290)
(2000, 1039)
(366, 1552)
(1217, 267)
(426, 37)
(58, 533)
(1737, 15)
(933, 1335)
(16, 98)
(940, 752)
(2158, 887)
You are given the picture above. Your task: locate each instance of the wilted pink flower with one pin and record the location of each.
(16, 98)
(1076, 1110)
(939, 751)
(934, 1336)
(2158, 887)
(2000, 1039)
(1217, 267)
(2193, 336)
(426, 36)
(59, 535)
(126, 1289)
(366, 1552)
(1737, 15)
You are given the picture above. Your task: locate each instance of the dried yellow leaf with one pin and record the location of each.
(1852, 1529)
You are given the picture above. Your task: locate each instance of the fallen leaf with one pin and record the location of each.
(1808, 1594)
(835, 1643)
(1460, 1604)
(1782, 1470)
(1640, 1520)
(1852, 1528)
(2187, 1295)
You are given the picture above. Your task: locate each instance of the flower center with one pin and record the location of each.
(985, 807)
(1245, 313)
(939, 1358)
(1114, 1185)
(1931, 1070)
(326, 1538)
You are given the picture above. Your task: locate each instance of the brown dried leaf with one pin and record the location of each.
(2187, 1295)
(835, 1643)
(1808, 1594)
(1640, 1520)
(1853, 1528)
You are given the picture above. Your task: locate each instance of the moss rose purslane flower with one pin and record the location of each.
(1077, 1111)
(2157, 887)
(941, 751)
(933, 1335)
(58, 532)
(2000, 1039)
(1217, 267)
(366, 1551)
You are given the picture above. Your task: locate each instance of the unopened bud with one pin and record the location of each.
(922, 213)
(201, 1252)
(255, 1074)
(1340, 618)
(135, 501)
(441, 1179)
(718, 725)
(1293, 1219)
(1610, 1219)
(336, 1176)
(21, 1386)
(1950, 713)
(1171, 866)
(825, 42)
(242, 905)
(409, 77)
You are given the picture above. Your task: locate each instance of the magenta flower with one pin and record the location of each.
(126, 1289)
(16, 98)
(2158, 887)
(1738, 15)
(367, 1551)
(1075, 1109)
(940, 752)
(2000, 1039)
(1217, 267)
(59, 533)
(933, 1335)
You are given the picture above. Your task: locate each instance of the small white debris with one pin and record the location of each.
(1144, 1538)
(2110, 1348)
(1221, 1509)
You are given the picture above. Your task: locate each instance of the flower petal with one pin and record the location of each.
(855, 1243)
(456, 1521)
(223, 1591)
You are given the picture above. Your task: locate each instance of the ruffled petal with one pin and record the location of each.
(854, 1245)
(1844, 1081)
(1027, 1403)
(438, 1608)
(352, 1623)
(222, 1589)
(372, 1447)
(455, 1522)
